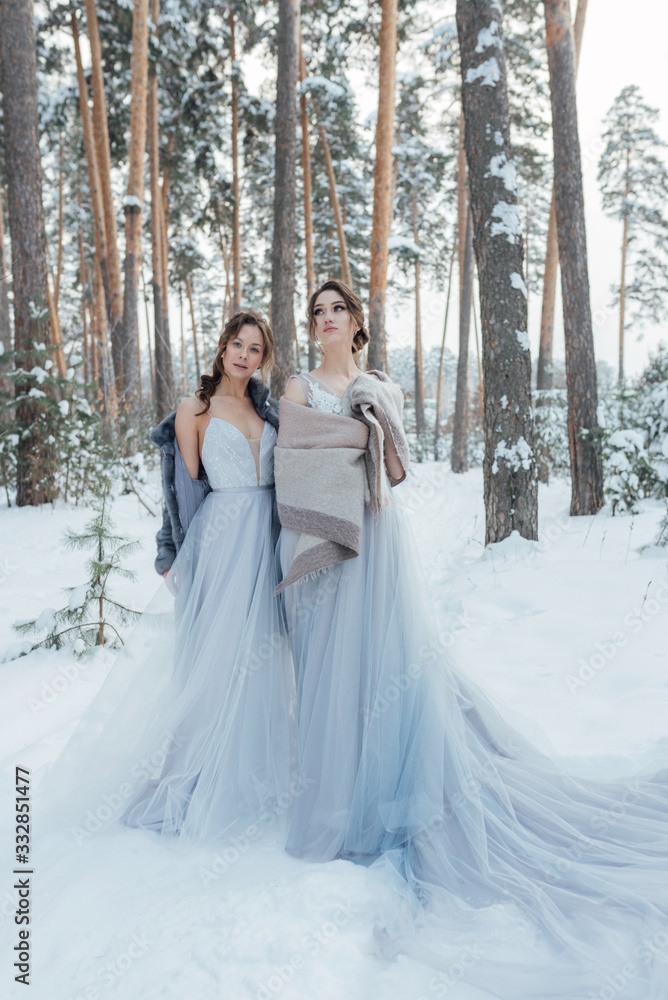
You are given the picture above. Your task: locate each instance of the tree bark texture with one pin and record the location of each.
(308, 197)
(285, 194)
(99, 236)
(441, 356)
(419, 371)
(103, 159)
(35, 483)
(5, 319)
(543, 374)
(462, 205)
(134, 205)
(459, 460)
(336, 208)
(236, 223)
(583, 430)
(382, 186)
(622, 279)
(189, 293)
(164, 365)
(509, 465)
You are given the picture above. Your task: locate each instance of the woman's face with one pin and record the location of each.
(244, 352)
(333, 323)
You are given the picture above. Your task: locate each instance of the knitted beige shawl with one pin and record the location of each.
(326, 464)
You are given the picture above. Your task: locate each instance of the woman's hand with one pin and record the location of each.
(171, 578)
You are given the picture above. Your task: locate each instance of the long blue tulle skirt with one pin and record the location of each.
(192, 732)
(487, 860)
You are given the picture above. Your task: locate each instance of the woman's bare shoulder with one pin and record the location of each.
(294, 391)
(189, 407)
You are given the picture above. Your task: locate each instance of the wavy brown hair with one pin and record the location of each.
(209, 383)
(354, 305)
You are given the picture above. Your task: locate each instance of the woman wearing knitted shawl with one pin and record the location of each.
(488, 861)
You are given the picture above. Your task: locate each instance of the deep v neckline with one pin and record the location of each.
(256, 462)
(230, 424)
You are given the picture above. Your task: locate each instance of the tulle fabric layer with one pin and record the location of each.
(192, 732)
(488, 861)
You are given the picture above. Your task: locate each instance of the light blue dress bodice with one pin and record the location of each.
(228, 458)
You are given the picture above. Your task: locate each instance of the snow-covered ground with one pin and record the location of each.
(570, 632)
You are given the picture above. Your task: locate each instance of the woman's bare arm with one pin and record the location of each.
(395, 469)
(186, 428)
(294, 391)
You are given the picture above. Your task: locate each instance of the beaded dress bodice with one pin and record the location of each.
(228, 458)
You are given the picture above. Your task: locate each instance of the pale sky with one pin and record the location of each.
(622, 44)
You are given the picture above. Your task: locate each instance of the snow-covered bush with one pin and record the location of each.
(550, 433)
(87, 450)
(634, 418)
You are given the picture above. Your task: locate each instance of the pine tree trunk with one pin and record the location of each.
(163, 363)
(103, 160)
(308, 198)
(36, 460)
(56, 333)
(583, 430)
(285, 193)
(543, 373)
(5, 320)
(134, 206)
(164, 217)
(462, 205)
(101, 325)
(419, 371)
(183, 346)
(336, 208)
(622, 282)
(59, 256)
(550, 274)
(382, 185)
(460, 433)
(527, 243)
(509, 466)
(439, 380)
(189, 293)
(227, 296)
(164, 261)
(236, 224)
(83, 274)
(148, 332)
(481, 399)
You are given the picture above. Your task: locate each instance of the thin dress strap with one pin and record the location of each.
(306, 382)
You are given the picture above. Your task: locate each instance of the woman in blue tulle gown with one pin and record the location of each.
(490, 863)
(192, 732)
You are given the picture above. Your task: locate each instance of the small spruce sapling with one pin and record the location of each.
(91, 611)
